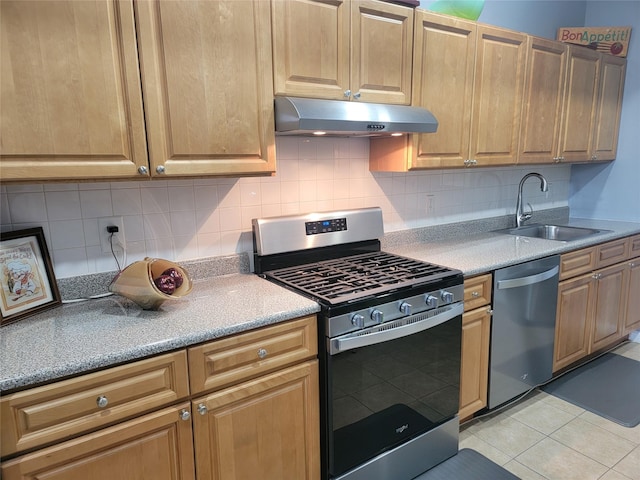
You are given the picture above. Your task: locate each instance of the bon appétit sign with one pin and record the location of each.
(612, 40)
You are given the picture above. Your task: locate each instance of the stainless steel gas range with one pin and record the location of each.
(390, 330)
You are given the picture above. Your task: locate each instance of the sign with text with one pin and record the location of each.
(611, 40)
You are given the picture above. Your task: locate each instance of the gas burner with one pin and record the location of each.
(357, 276)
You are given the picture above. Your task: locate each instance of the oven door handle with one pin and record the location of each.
(364, 339)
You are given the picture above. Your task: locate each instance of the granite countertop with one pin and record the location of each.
(80, 337)
(483, 252)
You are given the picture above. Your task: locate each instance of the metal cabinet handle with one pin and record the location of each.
(262, 353)
(184, 414)
(143, 170)
(357, 95)
(594, 157)
(202, 409)
(160, 169)
(102, 401)
(475, 294)
(347, 93)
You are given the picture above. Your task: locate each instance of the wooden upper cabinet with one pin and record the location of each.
(542, 101)
(497, 96)
(576, 135)
(208, 86)
(343, 50)
(70, 86)
(381, 52)
(609, 107)
(443, 66)
(311, 48)
(470, 76)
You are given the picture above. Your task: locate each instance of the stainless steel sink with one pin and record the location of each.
(562, 233)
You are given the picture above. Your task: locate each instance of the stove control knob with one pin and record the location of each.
(406, 308)
(431, 301)
(377, 316)
(447, 297)
(357, 320)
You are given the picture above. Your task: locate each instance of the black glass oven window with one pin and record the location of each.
(385, 394)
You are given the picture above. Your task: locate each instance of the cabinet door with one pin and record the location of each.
(607, 122)
(381, 51)
(632, 315)
(156, 446)
(542, 101)
(267, 428)
(474, 368)
(443, 66)
(576, 134)
(70, 86)
(311, 48)
(497, 96)
(609, 311)
(208, 86)
(573, 321)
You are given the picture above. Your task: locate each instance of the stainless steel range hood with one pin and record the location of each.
(308, 116)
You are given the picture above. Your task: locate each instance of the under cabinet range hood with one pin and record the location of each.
(310, 116)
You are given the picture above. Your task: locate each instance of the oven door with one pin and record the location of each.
(391, 383)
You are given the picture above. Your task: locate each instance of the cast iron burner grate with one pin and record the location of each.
(354, 277)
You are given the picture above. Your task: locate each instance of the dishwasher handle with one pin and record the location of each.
(528, 280)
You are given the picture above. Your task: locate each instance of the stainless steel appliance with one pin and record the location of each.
(311, 116)
(523, 328)
(389, 333)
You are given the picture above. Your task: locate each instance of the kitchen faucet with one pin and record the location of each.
(522, 217)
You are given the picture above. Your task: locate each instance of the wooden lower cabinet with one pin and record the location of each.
(266, 428)
(596, 309)
(474, 370)
(476, 331)
(574, 311)
(632, 314)
(608, 322)
(156, 446)
(264, 424)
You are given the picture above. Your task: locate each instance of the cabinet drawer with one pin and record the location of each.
(155, 446)
(52, 412)
(578, 262)
(612, 252)
(247, 355)
(477, 291)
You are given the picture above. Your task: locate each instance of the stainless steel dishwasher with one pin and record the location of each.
(523, 327)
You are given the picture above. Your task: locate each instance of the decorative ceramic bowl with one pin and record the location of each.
(137, 282)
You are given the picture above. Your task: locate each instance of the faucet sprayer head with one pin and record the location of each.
(544, 186)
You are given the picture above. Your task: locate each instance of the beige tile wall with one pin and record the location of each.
(194, 218)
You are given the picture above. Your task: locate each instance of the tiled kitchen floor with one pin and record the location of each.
(544, 437)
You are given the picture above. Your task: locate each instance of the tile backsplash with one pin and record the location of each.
(194, 218)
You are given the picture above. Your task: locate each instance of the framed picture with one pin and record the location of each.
(27, 282)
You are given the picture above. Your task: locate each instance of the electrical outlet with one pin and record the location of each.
(118, 238)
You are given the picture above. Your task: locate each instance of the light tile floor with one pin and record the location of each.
(544, 437)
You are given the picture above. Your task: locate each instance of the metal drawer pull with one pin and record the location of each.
(262, 353)
(102, 401)
(475, 294)
(184, 414)
(202, 409)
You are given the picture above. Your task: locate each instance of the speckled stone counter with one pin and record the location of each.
(484, 252)
(80, 337)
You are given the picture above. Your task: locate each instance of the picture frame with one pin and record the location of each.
(27, 281)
